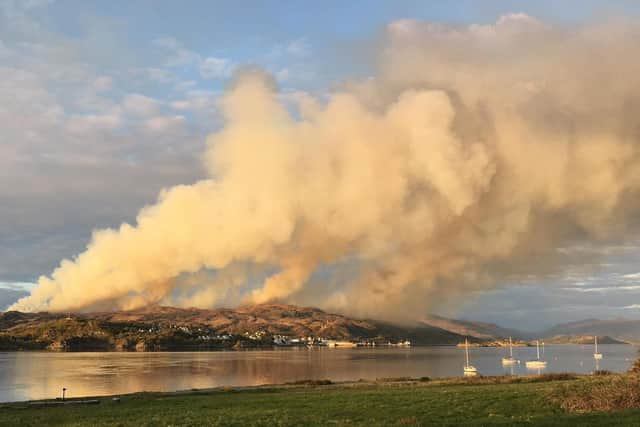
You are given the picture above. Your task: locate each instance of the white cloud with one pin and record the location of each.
(140, 105)
(293, 49)
(197, 102)
(164, 124)
(158, 75)
(80, 148)
(87, 123)
(299, 48)
(282, 74)
(167, 42)
(102, 84)
(17, 286)
(215, 68)
(603, 289)
(177, 54)
(185, 85)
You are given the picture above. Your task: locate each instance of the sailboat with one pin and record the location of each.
(537, 363)
(468, 369)
(509, 360)
(597, 355)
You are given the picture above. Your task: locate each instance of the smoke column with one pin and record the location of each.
(471, 157)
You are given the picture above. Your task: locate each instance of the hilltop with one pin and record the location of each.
(582, 339)
(171, 328)
(481, 331)
(625, 330)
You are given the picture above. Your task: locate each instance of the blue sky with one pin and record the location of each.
(107, 102)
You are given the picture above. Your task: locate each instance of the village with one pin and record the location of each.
(278, 340)
(204, 334)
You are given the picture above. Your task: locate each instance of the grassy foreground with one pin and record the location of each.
(452, 402)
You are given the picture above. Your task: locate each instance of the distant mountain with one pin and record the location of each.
(619, 329)
(582, 339)
(479, 330)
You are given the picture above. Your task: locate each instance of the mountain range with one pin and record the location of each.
(171, 328)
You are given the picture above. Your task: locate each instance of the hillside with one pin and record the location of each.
(169, 328)
(478, 330)
(619, 329)
(582, 339)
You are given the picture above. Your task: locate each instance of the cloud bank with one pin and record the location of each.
(471, 159)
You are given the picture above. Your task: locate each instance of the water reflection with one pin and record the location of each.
(26, 376)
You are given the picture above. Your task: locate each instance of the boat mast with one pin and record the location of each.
(596, 344)
(538, 348)
(510, 348)
(466, 350)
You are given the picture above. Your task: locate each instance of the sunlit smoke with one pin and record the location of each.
(463, 164)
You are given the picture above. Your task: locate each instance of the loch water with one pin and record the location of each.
(42, 375)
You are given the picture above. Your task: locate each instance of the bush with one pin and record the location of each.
(602, 372)
(394, 379)
(565, 376)
(635, 368)
(310, 382)
(510, 379)
(602, 395)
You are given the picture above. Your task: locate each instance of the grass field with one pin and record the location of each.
(408, 403)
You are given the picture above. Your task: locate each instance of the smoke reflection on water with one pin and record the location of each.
(25, 376)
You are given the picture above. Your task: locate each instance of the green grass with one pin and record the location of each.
(452, 403)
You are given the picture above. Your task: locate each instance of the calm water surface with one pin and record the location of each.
(39, 375)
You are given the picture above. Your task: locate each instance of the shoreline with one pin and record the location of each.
(325, 383)
(531, 400)
(284, 348)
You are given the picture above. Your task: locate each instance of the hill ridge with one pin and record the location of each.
(167, 327)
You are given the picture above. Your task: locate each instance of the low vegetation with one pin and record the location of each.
(605, 392)
(612, 393)
(399, 401)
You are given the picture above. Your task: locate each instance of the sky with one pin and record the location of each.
(103, 104)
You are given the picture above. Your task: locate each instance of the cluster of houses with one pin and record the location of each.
(205, 334)
(285, 340)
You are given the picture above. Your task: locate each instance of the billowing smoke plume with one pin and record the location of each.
(470, 158)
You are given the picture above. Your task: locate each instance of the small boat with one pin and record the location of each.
(537, 362)
(596, 355)
(509, 360)
(469, 370)
(345, 344)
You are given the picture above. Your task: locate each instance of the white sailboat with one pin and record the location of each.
(596, 355)
(469, 370)
(509, 360)
(537, 363)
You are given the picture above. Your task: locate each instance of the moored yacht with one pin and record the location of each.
(469, 370)
(596, 355)
(537, 362)
(509, 360)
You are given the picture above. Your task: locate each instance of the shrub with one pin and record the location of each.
(600, 395)
(394, 379)
(310, 382)
(635, 368)
(565, 376)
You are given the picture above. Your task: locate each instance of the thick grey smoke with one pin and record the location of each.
(465, 163)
